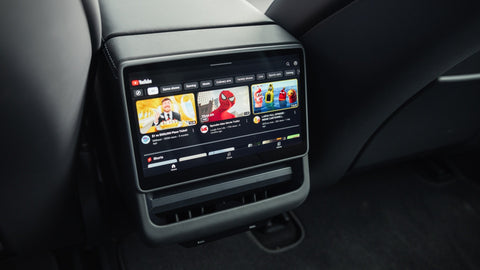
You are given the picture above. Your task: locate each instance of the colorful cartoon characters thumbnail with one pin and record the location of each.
(274, 96)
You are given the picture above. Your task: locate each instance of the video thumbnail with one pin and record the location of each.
(166, 112)
(273, 96)
(223, 104)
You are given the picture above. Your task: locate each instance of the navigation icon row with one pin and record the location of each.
(188, 86)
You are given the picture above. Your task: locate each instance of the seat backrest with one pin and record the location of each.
(45, 56)
(366, 60)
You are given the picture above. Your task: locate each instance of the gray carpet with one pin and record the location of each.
(390, 219)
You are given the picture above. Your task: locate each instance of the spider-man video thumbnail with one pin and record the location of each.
(223, 104)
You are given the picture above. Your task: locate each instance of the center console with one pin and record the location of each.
(215, 131)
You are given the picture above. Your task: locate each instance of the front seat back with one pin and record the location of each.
(45, 57)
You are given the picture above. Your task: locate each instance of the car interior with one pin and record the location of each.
(240, 134)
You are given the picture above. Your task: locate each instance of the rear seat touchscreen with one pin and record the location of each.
(199, 117)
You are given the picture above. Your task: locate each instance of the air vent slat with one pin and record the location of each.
(212, 206)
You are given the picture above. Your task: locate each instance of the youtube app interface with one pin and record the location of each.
(197, 117)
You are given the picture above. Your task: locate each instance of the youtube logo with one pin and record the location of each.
(141, 82)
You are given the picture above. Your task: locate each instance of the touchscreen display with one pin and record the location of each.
(199, 117)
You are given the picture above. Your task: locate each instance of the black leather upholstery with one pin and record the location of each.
(298, 16)
(371, 57)
(123, 17)
(45, 56)
(92, 11)
(124, 48)
(366, 60)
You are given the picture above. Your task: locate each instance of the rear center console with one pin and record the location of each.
(215, 126)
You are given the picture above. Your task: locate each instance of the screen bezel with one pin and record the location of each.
(218, 168)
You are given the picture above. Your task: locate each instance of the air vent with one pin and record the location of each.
(212, 206)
